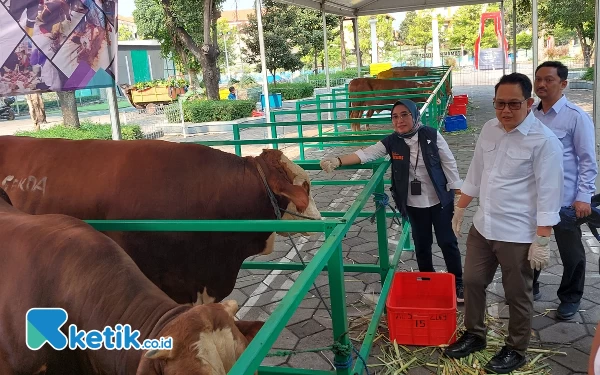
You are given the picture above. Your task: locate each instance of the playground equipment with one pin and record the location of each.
(491, 58)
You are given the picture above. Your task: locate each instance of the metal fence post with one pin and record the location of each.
(300, 133)
(319, 118)
(334, 98)
(382, 238)
(236, 137)
(183, 127)
(339, 314)
(273, 129)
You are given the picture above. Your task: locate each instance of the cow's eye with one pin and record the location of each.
(306, 187)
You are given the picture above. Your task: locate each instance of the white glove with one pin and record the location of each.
(539, 254)
(457, 220)
(328, 164)
(456, 199)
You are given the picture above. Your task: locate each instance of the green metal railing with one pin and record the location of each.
(335, 225)
(327, 108)
(328, 258)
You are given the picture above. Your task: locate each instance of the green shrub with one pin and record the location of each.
(88, 130)
(288, 91)
(291, 91)
(348, 73)
(589, 74)
(216, 110)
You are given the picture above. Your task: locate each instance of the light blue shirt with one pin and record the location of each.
(518, 177)
(575, 130)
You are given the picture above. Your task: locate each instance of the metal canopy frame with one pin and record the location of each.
(356, 8)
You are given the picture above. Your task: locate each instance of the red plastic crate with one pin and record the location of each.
(421, 308)
(457, 109)
(460, 99)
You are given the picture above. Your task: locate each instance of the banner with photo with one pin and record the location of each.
(57, 45)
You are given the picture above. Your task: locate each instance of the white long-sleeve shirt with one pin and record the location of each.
(518, 177)
(428, 197)
(575, 130)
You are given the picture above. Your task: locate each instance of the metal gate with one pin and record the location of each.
(157, 120)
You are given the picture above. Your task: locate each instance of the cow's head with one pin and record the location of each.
(206, 341)
(288, 180)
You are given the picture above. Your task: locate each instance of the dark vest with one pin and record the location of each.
(400, 156)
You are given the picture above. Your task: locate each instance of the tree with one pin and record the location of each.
(384, 31)
(37, 110)
(68, 106)
(226, 35)
(409, 19)
(280, 35)
(524, 40)
(419, 31)
(577, 15)
(562, 36)
(188, 33)
(464, 27)
(309, 26)
(125, 33)
(150, 20)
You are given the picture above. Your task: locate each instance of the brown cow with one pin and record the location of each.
(402, 72)
(373, 84)
(57, 261)
(412, 71)
(150, 179)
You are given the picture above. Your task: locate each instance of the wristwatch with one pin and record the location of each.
(542, 240)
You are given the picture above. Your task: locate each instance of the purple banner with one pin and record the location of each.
(57, 45)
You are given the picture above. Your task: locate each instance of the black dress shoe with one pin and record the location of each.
(505, 361)
(467, 343)
(566, 310)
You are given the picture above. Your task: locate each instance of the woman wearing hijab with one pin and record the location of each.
(424, 177)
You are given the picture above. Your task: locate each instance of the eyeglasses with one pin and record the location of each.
(511, 105)
(403, 116)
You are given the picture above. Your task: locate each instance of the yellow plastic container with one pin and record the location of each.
(223, 93)
(376, 68)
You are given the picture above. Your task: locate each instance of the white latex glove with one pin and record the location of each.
(456, 199)
(328, 164)
(457, 220)
(539, 255)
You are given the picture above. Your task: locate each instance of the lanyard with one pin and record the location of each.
(416, 161)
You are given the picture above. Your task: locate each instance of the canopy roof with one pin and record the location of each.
(354, 8)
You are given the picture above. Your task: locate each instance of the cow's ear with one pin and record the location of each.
(231, 306)
(148, 365)
(297, 194)
(158, 354)
(249, 328)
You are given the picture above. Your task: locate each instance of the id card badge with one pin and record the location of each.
(415, 187)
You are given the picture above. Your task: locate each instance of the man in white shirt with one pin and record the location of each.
(575, 129)
(516, 172)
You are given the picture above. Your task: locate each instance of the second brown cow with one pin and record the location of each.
(373, 84)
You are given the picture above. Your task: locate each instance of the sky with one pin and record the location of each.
(126, 8)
